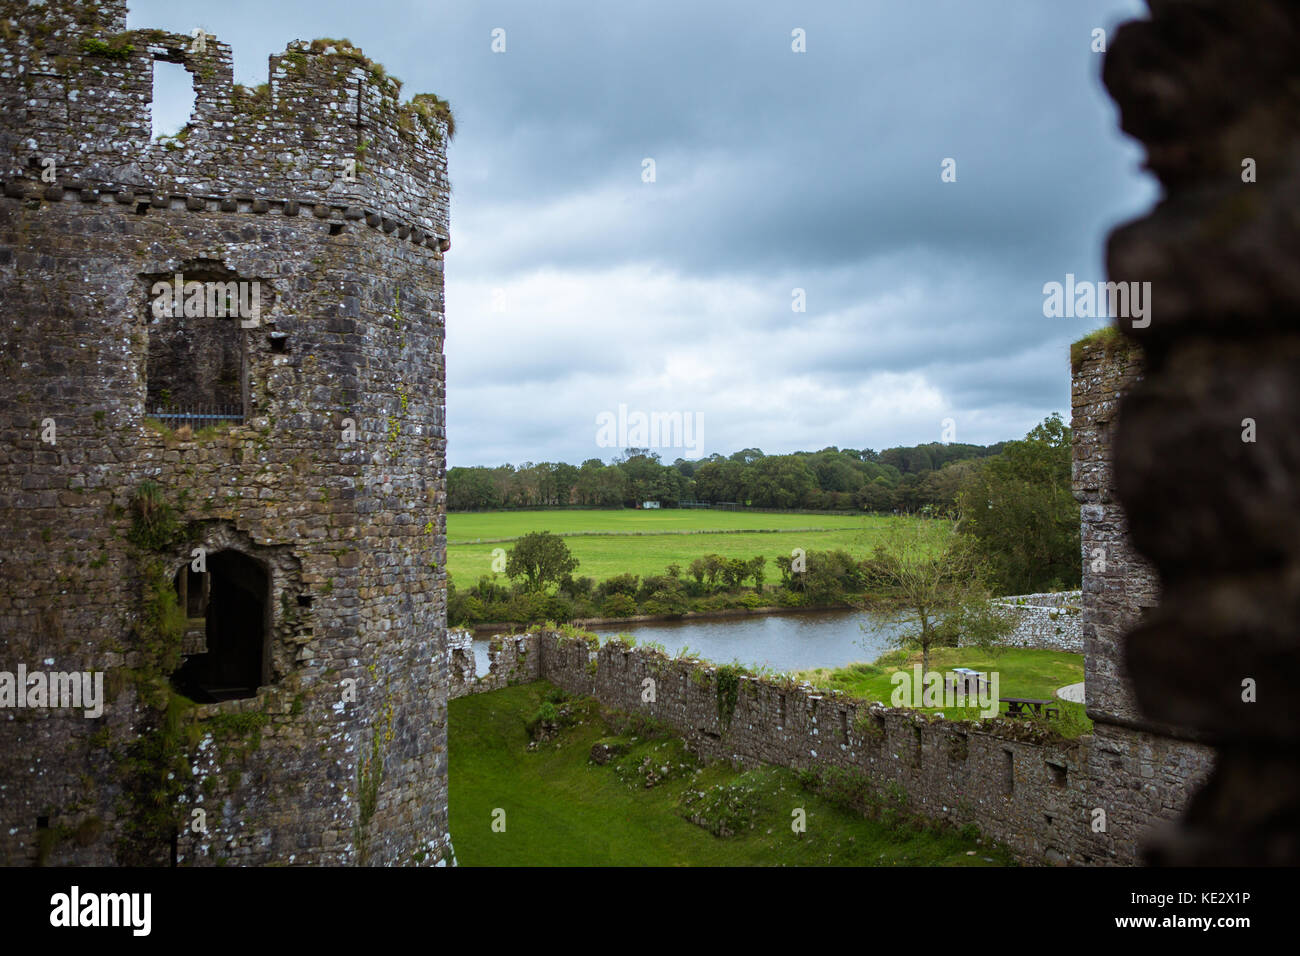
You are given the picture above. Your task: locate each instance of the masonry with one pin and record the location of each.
(1021, 788)
(266, 596)
(1047, 621)
(1092, 801)
(1142, 771)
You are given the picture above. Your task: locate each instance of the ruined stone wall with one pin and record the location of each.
(1049, 621)
(1097, 800)
(513, 660)
(1142, 772)
(1023, 792)
(1019, 788)
(341, 756)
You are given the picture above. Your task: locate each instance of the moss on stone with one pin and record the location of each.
(430, 108)
(1108, 337)
(115, 49)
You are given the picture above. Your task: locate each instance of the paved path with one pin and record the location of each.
(1071, 692)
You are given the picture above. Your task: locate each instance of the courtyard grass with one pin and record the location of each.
(1022, 672)
(562, 810)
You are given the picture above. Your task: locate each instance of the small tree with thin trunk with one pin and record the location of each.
(929, 579)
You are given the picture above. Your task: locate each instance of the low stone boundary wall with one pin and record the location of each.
(1023, 791)
(1051, 621)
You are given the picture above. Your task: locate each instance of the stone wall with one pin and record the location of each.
(333, 483)
(1023, 791)
(1142, 771)
(1091, 801)
(513, 660)
(1048, 621)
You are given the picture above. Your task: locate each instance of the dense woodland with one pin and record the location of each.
(894, 480)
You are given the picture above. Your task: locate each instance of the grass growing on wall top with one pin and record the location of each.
(1109, 337)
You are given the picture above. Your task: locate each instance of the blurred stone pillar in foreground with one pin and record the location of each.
(1207, 451)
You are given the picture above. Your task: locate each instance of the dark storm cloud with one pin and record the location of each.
(774, 171)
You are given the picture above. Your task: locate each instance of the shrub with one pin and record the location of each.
(723, 810)
(544, 722)
(577, 587)
(618, 605)
(619, 584)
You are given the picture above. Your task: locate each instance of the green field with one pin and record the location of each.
(607, 543)
(562, 810)
(1022, 672)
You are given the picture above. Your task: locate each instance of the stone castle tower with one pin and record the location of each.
(222, 454)
(1141, 771)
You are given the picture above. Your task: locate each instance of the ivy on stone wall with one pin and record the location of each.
(728, 682)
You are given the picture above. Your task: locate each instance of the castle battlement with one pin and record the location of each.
(327, 132)
(227, 343)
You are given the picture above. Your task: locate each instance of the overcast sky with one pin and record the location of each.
(574, 287)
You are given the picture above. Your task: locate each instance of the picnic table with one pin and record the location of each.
(967, 680)
(1029, 706)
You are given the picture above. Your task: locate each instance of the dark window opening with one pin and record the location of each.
(141, 208)
(336, 228)
(230, 659)
(280, 343)
(304, 600)
(1059, 774)
(198, 320)
(1009, 772)
(42, 823)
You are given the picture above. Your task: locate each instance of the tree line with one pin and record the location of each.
(1012, 514)
(902, 479)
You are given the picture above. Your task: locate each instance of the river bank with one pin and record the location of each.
(502, 627)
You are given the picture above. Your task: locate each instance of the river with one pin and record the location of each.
(784, 642)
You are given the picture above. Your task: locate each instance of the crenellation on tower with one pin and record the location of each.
(222, 453)
(327, 129)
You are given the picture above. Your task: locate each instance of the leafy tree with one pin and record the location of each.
(540, 558)
(748, 456)
(932, 581)
(471, 489)
(778, 481)
(734, 572)
(1020, 513)
(719, 481)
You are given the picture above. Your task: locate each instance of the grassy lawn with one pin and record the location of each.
(607, 543)
(563, 810)
(1022, 672)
